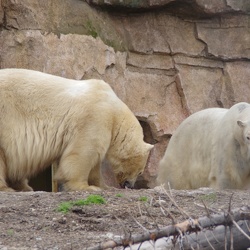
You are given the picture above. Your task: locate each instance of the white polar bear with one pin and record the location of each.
(211, 148)
(76, 124)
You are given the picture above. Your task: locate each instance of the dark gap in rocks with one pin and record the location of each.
(148, 136)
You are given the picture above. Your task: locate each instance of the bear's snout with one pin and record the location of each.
(127, 184)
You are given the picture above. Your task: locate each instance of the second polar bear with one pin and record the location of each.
(211, 148)
(76, 124)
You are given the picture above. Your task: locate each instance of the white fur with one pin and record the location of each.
(78, 89)
(210, 148)
(46, 119)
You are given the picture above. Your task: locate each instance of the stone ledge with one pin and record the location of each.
(200, 7)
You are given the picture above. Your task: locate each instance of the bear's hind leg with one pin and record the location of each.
(22, 186)
(74, 170)
(3, 184)
(5, 188)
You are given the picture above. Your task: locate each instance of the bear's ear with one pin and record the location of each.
(241, 124)
(149, 146)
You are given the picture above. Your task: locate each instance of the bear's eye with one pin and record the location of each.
(120, 175)
(248, 137)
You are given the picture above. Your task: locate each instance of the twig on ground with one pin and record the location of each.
(231, 238)
(149, 214)
(209, 242)
(205, 206)
(139, 209)
(175, 204)
(169, 188)
(127, 233)
(237, 226)
(202, 206)
(230, 203)
(248, 228)
(168, 215)
(139, 224)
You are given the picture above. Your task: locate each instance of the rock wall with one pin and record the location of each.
(164, 58)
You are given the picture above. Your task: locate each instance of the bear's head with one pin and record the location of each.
(128, 169)
(245, 127)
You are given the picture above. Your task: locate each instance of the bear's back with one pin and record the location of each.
(30, 91)
(27, 82)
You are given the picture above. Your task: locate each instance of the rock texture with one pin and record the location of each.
(164, 58)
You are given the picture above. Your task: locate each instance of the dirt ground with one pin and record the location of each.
(32, 221)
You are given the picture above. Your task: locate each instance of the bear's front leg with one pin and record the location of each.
(78, 186)
(75, 169)
(95, 177)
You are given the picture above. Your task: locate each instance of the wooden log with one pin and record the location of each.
(215, 238)
(190, 229)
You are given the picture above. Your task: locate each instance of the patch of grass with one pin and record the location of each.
(119, 195)
(64, 207)
(91, 199)
(143, 198)
(10, 232)
(212, 197)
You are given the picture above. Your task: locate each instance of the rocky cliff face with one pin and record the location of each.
(164, 58)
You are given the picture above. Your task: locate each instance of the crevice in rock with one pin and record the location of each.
(91, 73)
(148, 138)
(4, 21)
(196, 34)
(229, 88)
(198, 66)
(147, 132)
(167, 72)
(181, 94)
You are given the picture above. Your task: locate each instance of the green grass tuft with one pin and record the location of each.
(10, 232)
(212, 197)
(65, 207)
(91, 199)
(119, 195)
(143, 198)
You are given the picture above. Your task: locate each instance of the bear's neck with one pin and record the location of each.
(124, 141)
(240, 150)
(245, 152)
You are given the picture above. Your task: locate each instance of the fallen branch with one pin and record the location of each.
(188, 226)
(218, 238)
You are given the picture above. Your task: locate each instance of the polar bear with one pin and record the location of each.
(47, 119)
(211, 148)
